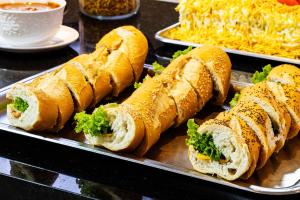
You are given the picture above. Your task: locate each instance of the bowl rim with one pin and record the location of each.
(62, 4)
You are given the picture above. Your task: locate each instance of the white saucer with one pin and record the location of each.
(65, 36)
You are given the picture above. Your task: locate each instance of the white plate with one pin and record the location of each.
(63, 37)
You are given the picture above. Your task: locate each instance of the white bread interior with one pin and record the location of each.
(231, 145)
(127, 130)
(260, 122)
(41, 113)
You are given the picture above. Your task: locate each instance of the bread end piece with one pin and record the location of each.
(41, 114)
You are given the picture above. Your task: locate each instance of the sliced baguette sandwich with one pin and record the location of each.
(82, 82)
(269, 110)
(172, 97)
(31, 109)
(225, 147)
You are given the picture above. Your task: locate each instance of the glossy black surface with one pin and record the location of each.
(34, 169)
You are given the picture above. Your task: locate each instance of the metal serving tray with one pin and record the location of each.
(161, 38)
(280, 176)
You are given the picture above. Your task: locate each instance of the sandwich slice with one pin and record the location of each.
(217, 148)
(259, 121)
(131, 42)
(117, 65)
(60, 95)
(290, 98)
(260, 94)
(113, 127)
(81, 90)
(31, 109)
(95, 74)
(218, 64)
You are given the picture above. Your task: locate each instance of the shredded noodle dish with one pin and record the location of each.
(260, 26)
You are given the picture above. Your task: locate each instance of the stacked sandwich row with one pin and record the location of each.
(49, 101)
(242, 139)
(162, 101)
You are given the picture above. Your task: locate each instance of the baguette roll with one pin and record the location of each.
(281, 121)
(171, 97)
(41, 113)
(156, 108)
(127, 129)
(218, 64)
(129, 41)
(60, 94)
(236, 158)
(290, 97)
(286, 74)
(261, 124)
(94, 72)
(118, 66)
(77, 84)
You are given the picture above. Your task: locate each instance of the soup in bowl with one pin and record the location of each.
(28, 22)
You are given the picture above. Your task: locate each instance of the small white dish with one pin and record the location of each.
(65, 36)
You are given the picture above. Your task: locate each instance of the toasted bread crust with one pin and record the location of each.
(77, 84)
(131, 42)
(46, 113)
(218, 64)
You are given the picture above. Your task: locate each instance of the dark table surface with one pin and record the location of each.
(34, 169)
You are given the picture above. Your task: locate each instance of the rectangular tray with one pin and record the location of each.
(161, 38)
(280, 176)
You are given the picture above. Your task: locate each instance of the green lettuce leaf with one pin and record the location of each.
(157, 68)
(261, 76)
(203, 143)
(20, 104)
(94, 124)
(234, 100)
(137, 85)
(182, 52)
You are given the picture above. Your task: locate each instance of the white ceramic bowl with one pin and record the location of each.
(24, 28)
